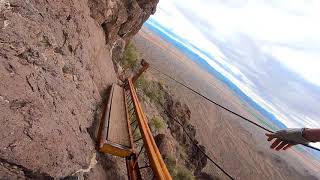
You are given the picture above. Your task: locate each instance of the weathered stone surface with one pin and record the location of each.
(55, 65)
(108, 167)
(117, 50)
(165, 145)
(185, 133)
(121, 18)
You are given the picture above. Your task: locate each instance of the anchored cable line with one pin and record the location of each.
(196, 145)
(196, 92)
(217, 104)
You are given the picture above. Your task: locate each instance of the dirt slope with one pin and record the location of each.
(55, 63)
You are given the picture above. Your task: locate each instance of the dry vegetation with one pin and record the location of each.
(130, 57)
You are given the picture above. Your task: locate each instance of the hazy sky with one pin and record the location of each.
(269, 49)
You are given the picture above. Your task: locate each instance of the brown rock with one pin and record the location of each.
(54, 66)
(117, 50)
(165, 145)
(121, 18)
(185, 133)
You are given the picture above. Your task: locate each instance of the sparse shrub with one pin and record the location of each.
(157, 123)
(161, 82)
(177, 171)
(130, 57)
(171, 164)
(155, 93)
(183, 173)
(152, 89)
(142, 83)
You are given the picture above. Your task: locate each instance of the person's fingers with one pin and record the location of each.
(270, 136)
(287, 146)
(275, 143)
(281, 145)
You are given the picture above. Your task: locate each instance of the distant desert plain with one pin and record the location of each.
(239, 147)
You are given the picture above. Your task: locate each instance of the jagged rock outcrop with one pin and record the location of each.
(165, 145)
(55, 64)
(120, 20)
(185, 133)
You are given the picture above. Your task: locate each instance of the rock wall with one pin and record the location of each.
(184, 132)
(55, 64)
(121, 19)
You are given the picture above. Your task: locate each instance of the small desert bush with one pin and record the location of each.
(130, 57)
(171, 164)
(156, 93)
(142, 83)
(152, 89)
(157, 123)
(182, 173)
(178, 172)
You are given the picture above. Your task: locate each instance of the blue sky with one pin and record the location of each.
(269, 49)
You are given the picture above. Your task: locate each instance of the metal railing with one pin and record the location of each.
(139, 122)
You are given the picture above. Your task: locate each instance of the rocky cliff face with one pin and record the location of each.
(120, 20)
(55, 63)
(184, 132)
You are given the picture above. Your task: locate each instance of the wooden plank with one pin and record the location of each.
(118, 126)
(115, 149)
(104, 123)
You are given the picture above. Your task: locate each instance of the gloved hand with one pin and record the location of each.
(286, 138)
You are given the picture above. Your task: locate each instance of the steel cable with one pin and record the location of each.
(217, 104)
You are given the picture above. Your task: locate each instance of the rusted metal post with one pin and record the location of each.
(145, 66)
(133, 168)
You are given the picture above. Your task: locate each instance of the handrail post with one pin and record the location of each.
(132, 168)
(145, 66)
